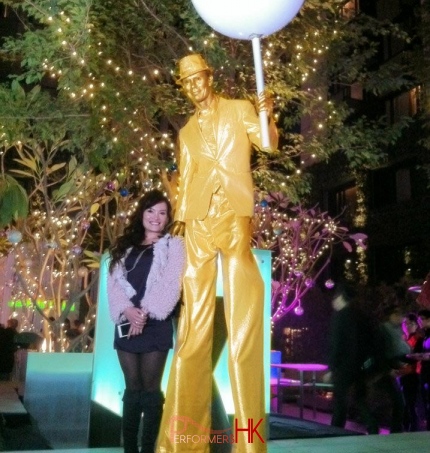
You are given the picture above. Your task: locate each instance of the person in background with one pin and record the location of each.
(409, 373)
(12, 324)
(214, 208)
(8, 348)
(349, 350)
(144, 286)
(78, 326)
(424, 317)
(394, 350)
(67, 329)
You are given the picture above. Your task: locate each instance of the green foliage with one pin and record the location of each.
(13, 201)
(115, 65)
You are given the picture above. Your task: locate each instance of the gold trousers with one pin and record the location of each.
(187, 411)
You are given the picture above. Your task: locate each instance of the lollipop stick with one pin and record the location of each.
(259, 76)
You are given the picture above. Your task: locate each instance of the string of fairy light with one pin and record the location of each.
(302, 243)
(60, 22)
(97, 84)
(46, 261)
(42, 287)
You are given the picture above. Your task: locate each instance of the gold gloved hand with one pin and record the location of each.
(265, 102)
(178, 228)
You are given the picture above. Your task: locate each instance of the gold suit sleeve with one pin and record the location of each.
(186, 171)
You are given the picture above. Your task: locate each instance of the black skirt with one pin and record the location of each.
(156, 336)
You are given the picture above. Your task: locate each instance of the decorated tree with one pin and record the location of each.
(119, 71)
(57, 228)
(302, 241)
(90, 117)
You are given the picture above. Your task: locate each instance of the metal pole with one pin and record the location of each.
(259, 76)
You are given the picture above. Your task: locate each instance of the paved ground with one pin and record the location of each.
(289, 434)
(19, 433)
(394, 443)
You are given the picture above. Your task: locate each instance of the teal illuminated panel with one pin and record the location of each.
(108, 380)
(57, 395)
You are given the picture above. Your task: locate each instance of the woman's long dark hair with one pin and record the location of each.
(134, 232)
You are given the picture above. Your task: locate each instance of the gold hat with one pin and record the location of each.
(190, 65)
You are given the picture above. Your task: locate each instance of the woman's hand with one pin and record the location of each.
(137, 318)
(134, 330)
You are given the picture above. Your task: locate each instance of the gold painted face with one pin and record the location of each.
(198, 88)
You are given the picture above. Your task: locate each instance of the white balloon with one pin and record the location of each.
(244, 19)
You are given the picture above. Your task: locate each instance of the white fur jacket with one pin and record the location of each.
(163, 286)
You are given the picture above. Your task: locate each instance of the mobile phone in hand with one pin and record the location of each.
(123, 329)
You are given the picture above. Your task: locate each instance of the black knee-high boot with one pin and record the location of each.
(152, 405)
(131, 416)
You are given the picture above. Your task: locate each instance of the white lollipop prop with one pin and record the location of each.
(252, 20)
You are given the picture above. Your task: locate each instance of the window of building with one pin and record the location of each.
(406, 104)
(391, 185)
(383, 188)
(357, 91)
(343, 201)
(351, 9)
(403, 185)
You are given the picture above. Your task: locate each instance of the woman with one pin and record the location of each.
(144, 284)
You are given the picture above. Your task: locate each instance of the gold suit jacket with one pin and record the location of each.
(201, 169)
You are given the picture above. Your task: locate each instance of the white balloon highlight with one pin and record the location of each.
(243, 19)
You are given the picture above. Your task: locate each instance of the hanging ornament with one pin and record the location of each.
(173, 167)
(82, 271)
(264, 203)
(329, 284)
(277, 228)
(76, 250)
(110, 185)
(299, 310)
(14, 236)
(124, 192)
(298, 273)
(122, 215)
(85, 224)
(147, 184)
(309, 283)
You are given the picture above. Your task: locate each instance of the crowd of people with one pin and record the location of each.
(379, 364)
